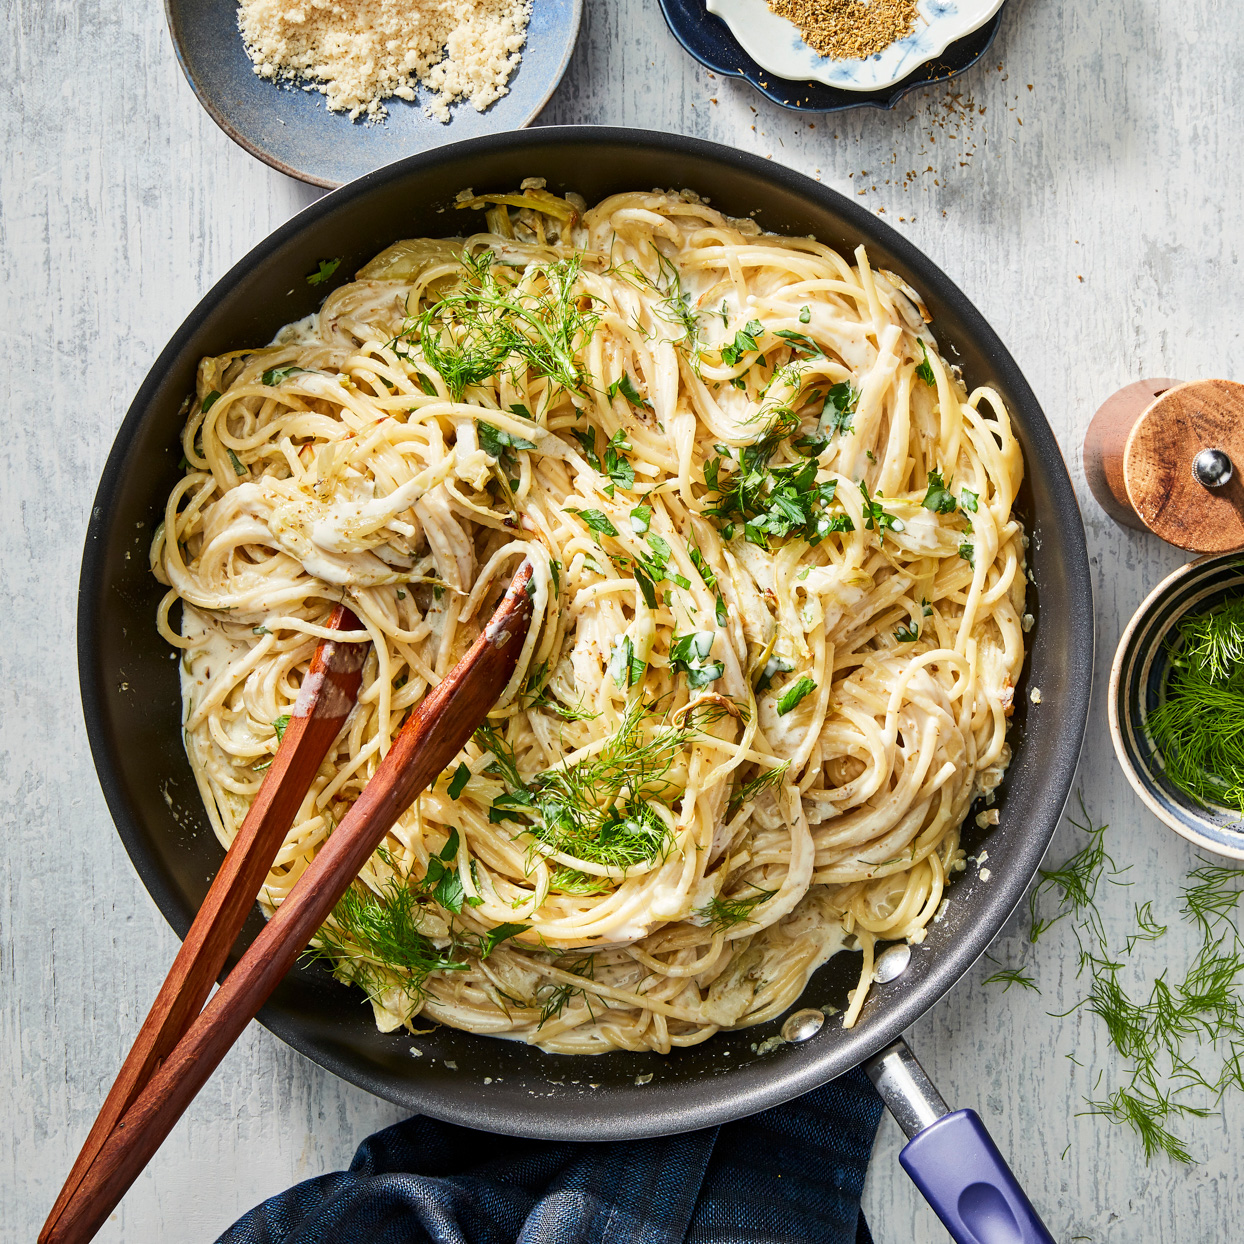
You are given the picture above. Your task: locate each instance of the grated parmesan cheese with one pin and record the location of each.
(360, 52)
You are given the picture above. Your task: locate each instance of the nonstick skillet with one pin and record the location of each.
(132, 706)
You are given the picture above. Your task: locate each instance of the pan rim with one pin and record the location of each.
(672, 1108)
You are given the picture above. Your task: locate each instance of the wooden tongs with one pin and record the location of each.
(181, 1042)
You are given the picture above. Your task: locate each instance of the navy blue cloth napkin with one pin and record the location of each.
(791, 1175)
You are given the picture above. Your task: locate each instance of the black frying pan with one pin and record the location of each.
(132, 706)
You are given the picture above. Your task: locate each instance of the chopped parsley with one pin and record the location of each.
(587, 439)
(698, 561)
(595, 520)
(841, 403)
(689, 654)
(641, 519)
(626, 386)
(876, 518)
(773, 501)
(794, 693)
(625, 668)
(655, 565)
(442, 881)
(939, 498)
(647, 587)
(805, 315)
(925, 369)
(710, 581)
(744, 343)
(811, 446)
(274, 375)
(773, 666)
(326, 269)
(617, 467)
(967, 550)
(495, 441)
(800, 343)
(494, 937)
(457, 783)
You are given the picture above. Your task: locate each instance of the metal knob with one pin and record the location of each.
(1211, 468)
(802, 1025)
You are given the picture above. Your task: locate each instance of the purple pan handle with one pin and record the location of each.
(952, 1159)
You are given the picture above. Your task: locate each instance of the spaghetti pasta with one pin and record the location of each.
(778, 603)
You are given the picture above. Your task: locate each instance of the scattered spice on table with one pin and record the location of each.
(849, 29)
(358, 53)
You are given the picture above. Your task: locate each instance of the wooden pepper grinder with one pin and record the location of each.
(1165, 456)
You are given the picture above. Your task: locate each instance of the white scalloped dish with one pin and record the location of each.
(776, 45)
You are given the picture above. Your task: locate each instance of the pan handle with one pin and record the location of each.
(952, 1159)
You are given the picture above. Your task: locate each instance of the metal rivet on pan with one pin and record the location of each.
(802, 1025)
(892, 963)
(1211, 468)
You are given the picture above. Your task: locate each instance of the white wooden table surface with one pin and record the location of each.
(1083, 185)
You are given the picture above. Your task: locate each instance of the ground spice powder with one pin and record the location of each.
(849, 29)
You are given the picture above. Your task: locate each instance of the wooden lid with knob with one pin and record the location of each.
(1166, 457)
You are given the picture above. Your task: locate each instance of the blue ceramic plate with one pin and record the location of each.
(708, 39)
(1142, 664)
(293, 130)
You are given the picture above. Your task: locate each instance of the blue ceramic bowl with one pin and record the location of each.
(1138, 680)
(708, 39)
(292, 129)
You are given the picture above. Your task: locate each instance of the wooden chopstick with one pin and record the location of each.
(431, 737)
(328, 694)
